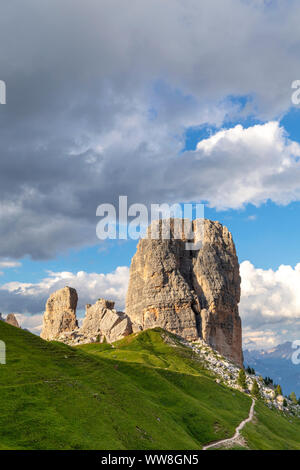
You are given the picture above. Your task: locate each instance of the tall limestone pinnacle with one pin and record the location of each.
(192, 293)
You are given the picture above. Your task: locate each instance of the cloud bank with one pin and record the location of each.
(270, 305)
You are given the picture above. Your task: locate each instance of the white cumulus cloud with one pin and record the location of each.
(270, 304)
(263, 163)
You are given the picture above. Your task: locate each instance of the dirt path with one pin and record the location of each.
(236, 436)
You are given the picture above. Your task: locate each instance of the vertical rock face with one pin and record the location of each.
(192, 293)
(60, 314)
(11, 319)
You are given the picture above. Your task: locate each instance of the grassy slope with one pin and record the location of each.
(272, 430)
(145, 394)
(57, 397)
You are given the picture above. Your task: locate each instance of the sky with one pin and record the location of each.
(164, 102)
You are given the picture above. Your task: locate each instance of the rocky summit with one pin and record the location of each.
(11, 319)
(193, 293)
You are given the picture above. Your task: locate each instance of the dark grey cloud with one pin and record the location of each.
(99, 94)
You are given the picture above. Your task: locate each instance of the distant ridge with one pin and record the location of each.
(277, 364)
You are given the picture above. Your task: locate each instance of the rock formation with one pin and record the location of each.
(11, 319)
(60, 314)
(102, 322)
(193, 293)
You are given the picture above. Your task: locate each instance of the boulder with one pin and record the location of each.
(93, 316)
(102, 320)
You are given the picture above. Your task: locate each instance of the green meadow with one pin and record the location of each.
(144, 392)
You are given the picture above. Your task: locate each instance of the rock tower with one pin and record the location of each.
(191, 292)
(60, 314)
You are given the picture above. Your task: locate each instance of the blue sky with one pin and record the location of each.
(262, 235)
